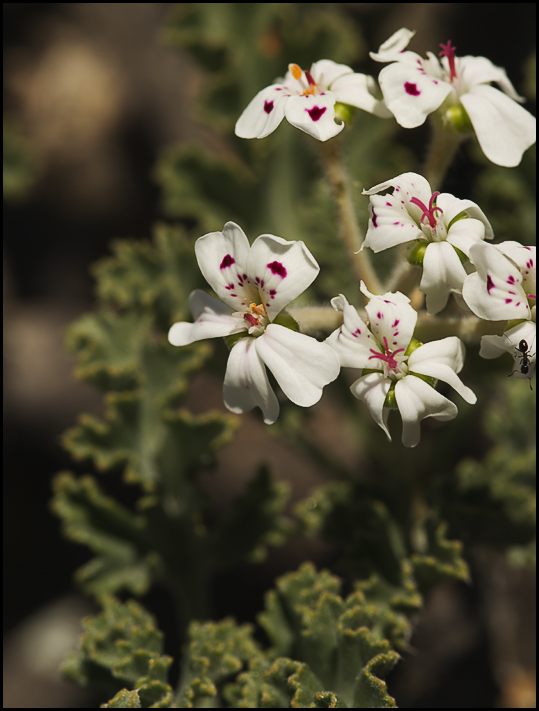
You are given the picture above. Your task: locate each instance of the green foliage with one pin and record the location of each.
(122, 645)
(494, 500)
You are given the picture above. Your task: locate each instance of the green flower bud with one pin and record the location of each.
(458, 118)
(344, 112)
(417, 253)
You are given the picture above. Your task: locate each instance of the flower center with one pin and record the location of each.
(449, 52)
(430, 211)
(255, 315)
(391, 363)
(311, 87)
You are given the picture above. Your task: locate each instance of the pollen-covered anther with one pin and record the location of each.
(254, 313)
(311, 87)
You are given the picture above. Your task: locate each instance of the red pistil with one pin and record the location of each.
(429, 211)
(387, 357)
(449, 52)
(309, 78)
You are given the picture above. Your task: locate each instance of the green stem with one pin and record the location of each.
(350, 232)
(444, 144)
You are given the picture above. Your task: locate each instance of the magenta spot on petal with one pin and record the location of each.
(374, 219)
(227, 261)
(508, 301)
(511, 280)
(389, 204)
(411, 89)
(277, 268)
(356, 333)
(490, 283)
(268, 106)
(396, 323)
(233, 294)
(379, 315)
(316, 112)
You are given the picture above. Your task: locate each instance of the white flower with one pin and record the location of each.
(395, 371)
(504, 288)
(307, 100)
(414, 87)
(440, 222)
(255, 283)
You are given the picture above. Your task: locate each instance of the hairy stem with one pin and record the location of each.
(350, 232)
(469, 328)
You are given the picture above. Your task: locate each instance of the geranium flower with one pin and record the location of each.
(504, 288)
(307, 100)
(443, 226)
(398, 372)
(414, 87)
(254, 284)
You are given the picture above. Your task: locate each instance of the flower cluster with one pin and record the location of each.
(459, 90)
(447, 238)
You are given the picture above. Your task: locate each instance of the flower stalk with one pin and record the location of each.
(350, 232)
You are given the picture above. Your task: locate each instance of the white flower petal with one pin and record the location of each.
(479, 70)
(301, 365)
(464, 233)
(391, 319)
(453, 206)
(410, 93)
(504, 129)
(495, 291)
(325, 72)
(443, 273)
(280, 270)
(213, 319)
(442, 360)
(222, 258)
(391, 49)
(372, 390)
(246, 382)
(264, 113)
(359, 90)
(389, 224)
(525, 260)
(494, 346)
(314, 114)
(417, 400)
(352, 341)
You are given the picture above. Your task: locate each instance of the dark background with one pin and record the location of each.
(98, 95)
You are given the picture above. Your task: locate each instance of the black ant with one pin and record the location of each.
(524, 354)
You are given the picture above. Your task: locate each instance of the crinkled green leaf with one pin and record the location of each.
(339, 639)
(122, 645)
(255, 522)
(154, 278)
(124, 699)
(117, 536)
(216, 650)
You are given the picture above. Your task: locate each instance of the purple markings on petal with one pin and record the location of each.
(268, 106)
(508, 301)
(316, 112)
(229, 287)
(379, 315)
(356, 333)
(272, 293)
(374, 219)
(411, 89)
(511, 280)
(396, 323)
(277, 268)
(490, 283)
(227, 261)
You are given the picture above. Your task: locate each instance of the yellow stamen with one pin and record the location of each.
(295, 70)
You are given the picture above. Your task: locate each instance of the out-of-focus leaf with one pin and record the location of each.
(19, 165)
(116, 535)
(122, 645)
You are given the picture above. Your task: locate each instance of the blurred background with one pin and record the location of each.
(92, 96)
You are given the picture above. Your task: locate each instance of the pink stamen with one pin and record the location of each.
(387, 357)
(428, 212)
(449, 52)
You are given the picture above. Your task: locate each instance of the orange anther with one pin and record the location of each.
(295, 70)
